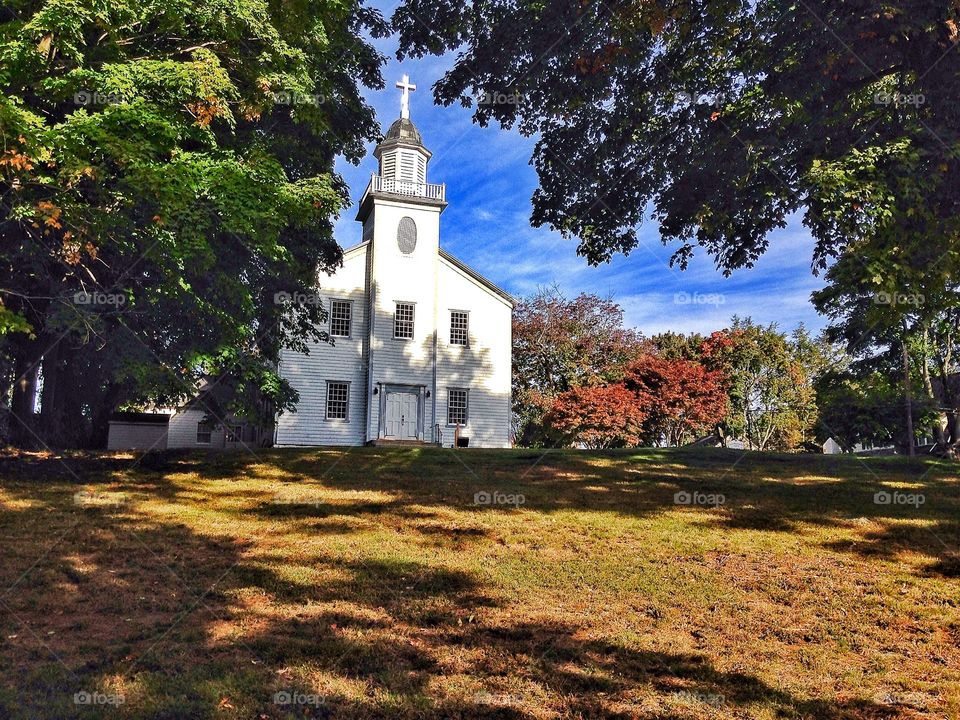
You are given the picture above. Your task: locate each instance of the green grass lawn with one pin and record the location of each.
(367, 583)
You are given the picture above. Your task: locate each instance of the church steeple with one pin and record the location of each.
(403, 162)
(402, 155)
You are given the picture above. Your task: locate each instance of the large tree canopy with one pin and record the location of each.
(721, 117)
(167, 195)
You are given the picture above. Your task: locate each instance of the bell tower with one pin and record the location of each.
(403, 161)
(400, 212)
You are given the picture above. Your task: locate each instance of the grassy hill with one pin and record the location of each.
(381, 583)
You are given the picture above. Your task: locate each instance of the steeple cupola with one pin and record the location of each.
(403, 162)
(403, 158)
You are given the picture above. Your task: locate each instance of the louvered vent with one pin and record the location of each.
(408, 172)
(388, 168)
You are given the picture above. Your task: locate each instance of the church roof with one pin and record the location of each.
(496, 289)
(403, 130)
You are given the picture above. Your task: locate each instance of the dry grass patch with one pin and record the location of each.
(368, 583)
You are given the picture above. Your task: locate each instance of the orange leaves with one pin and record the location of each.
(953, 32)
(43, 47)
(49, 213)
(206, 110)
(251, 113)
(593, 64)
(604, 416)
(15, 160)
(70, 251)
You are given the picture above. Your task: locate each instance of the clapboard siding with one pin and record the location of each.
(400, 261)
(344, 361)
(398, 277)
(136, 436)
(483, 367)
(182, 430)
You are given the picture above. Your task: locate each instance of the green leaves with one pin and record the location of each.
(181, 179)
(724, 117)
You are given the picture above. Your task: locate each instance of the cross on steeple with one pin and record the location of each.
(406, 87)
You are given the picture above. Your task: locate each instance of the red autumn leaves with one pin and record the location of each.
(658, 401)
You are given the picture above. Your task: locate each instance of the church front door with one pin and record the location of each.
(400, 420)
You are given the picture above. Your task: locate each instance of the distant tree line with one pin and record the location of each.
(583, 379)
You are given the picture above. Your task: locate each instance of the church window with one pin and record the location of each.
(340, 311)
(457, 403)
(338, 394)
(403, 321)
(459, 327)
(407, 235)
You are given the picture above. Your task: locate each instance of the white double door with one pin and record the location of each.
(400, 417)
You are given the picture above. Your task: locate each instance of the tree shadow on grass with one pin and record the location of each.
(199, 626)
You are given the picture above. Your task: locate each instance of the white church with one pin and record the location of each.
(421, 343)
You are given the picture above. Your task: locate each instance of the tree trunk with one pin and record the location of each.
(939, 429)
(101, 420)
(911, 449)
(51, 397)
(22, 422)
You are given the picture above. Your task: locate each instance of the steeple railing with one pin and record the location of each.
(431, 191)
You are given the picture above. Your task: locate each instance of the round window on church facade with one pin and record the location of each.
(407, 235)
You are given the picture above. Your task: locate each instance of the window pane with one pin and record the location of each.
(459, 330)
(456, 407)
(340, 318)
(203, 432)
(337, 397)
(403, 321)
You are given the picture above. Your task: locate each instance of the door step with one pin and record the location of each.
(385, 442)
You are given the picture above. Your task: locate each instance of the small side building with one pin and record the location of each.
(138, 431)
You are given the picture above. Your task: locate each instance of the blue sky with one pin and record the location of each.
(487, 225)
